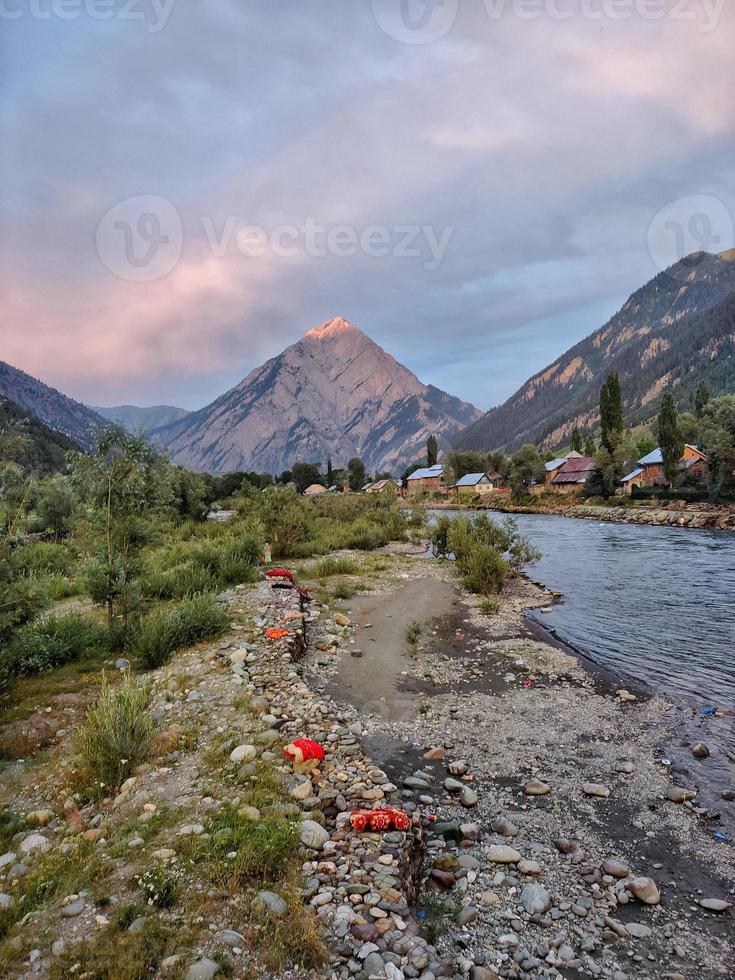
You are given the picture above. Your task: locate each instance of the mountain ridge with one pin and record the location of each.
(675, 331)
(332, 395)
(136, 418)
(59, 412)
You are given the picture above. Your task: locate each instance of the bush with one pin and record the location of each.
(171, 628)
(484, 570)
(116, 735)
(335, 566)
(54, 641)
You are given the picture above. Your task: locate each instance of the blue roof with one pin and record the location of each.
(633, 475)
(470, 479)
(656, 456)
(554, 464)
(427, 472)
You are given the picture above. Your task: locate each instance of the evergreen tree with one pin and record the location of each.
(701, 398)
(356, 470)
(611, 412)
(432, 451)
(590, 446)
(669, 436)
(577, 445)
(330, 473)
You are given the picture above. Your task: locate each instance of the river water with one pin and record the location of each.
(654, 605)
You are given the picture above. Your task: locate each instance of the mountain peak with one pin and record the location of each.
(334, 327)
(333, 395)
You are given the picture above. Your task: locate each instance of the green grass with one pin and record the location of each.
(117, 732)
(342, 589)
(329, 566)
(119, 955)
(413, 632)
(263, 849)
(490, 607)
(57, 875)
(175, 627)
(11, 823)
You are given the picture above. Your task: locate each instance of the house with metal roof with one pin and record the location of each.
(381, 485)
(650, 469)
(572, 476)
(426, 479)
(473, 483)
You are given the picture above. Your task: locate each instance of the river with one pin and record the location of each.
(654, 605)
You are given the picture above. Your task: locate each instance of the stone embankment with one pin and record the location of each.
(701, 516)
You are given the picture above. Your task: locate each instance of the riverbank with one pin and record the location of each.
(492, 704)
(421, 702)
(676, 514)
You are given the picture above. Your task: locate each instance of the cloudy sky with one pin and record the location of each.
(188, 187)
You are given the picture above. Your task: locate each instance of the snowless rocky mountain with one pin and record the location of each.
(674, 333)
(333, 395)
(59, 412)
(136, 419)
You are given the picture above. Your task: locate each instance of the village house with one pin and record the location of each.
(551, 471)
(474, 483)
(381, 486)
(650, 469)
(573, 474)
(314, 490)
(427, 479)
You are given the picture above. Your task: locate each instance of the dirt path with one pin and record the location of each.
(373, 681)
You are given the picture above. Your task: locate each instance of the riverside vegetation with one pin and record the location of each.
(148, 824)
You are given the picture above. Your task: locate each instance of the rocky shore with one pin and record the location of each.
(546, 838)
(677, 514)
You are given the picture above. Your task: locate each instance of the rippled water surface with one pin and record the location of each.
(653, 604)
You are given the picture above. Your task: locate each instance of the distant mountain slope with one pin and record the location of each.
(44, 450)
(333, 395)
(49, 405)
(135, 419)
(676, 331)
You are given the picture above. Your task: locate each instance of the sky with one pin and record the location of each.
(187, 188)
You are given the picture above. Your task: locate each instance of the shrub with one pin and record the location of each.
(483, 570)
(490, 607)
(171, 628)
(342, 589)
(335, 566)
(440, 537)
(54, 641)
(116, 735)
(413, 632)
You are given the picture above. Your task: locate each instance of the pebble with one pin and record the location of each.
(677, 794)
(73, 909)
(204, 969)
(535, 899)
(637, 930)
(34, 842)
(535, 787)
(243, 753)
(596, 789)
(274, 903)
(700, 751)
(715, 904)
(313, 835)
(503, 854)
(645, 890)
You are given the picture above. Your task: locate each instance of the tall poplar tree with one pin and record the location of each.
(669, 436)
